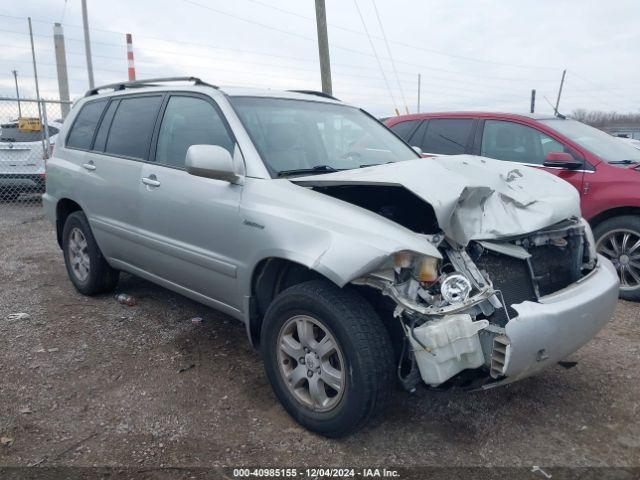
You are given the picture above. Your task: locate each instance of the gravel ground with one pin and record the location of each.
(88, 381)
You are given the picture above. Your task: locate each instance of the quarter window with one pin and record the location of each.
(132, 127)
(85, 124)
(103, 129)
(189, 121)
(447, 136)
(516, 143)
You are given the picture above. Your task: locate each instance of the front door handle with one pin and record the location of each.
(89, 166)
(151, 181)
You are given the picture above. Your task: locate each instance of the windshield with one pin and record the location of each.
(299, 137)
(608, 148)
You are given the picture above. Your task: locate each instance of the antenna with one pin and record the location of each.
(555, 112)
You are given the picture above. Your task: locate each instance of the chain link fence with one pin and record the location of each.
(28, 132)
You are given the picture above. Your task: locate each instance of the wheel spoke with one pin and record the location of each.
(317, 392)
(325, 347)
(614, 244)
(305, 332)
(623, 279)
(634, 273)
(292, 348)
(625, 241)
(297, 375)
(607, 252)
(331, 376)
(634, 247)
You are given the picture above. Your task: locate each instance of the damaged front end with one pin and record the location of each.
(489, 309)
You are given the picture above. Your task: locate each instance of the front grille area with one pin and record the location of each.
(550, 268)
(511, 276)
(553, 268)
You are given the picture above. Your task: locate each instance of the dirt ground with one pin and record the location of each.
(91, 382)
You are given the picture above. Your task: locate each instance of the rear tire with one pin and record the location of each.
(359, 371)
(618, 239)
(86, 266)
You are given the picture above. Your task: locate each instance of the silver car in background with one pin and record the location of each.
(22, 159)
(353, 262)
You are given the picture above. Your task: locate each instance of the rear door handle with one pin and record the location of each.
(152, 182)
(89, 166)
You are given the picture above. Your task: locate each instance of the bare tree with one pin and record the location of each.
(600, 119)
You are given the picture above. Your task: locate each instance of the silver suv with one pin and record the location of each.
(353, 262)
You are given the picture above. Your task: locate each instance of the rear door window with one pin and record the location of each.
(85, 124)
(515, 142)
(132, 127)
(189, 121)
(405, 129)
(446, 136)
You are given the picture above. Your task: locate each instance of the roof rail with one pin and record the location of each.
(150, 82)
(317, 93)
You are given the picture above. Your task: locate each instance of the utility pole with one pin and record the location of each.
(564, 72)
(419, 80)
(87, 42)
(15, 77)
(533, 100)
(323, 47)
(42, 109)
(61, 66)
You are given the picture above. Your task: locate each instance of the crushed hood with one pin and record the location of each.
(474, 198)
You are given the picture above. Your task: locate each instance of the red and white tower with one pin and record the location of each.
(132, 68)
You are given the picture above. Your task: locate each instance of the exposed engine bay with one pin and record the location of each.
(454, 310)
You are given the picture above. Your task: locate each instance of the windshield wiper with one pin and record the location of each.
(373, 164)
(623, 162)
(312, 170)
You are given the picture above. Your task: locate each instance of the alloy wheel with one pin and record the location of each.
(622, 247)
(79, 254)
(311, 363)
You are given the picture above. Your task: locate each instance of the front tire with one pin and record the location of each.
(618, 239)
(86, 266)
(328, 357)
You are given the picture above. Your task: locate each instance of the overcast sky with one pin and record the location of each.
(472, 54)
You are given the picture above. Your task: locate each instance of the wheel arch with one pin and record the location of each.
(271, 276)
(611, 213)
(64, 208)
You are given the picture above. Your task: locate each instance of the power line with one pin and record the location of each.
(600, 87)
(404, 44)
(384, 76)
(393, 64)
(412, 64)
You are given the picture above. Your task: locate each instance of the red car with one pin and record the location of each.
(605, 170)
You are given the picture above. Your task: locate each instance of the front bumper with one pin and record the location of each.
(546, 331)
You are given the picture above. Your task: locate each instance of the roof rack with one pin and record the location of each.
(317, 93)
(150, 82)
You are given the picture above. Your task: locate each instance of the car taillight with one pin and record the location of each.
(49, 152)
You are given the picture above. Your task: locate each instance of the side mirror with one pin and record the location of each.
(418, 150)
(211, 161)
(562, 160)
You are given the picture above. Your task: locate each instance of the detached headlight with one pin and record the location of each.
(422, 267)
(455, 288)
